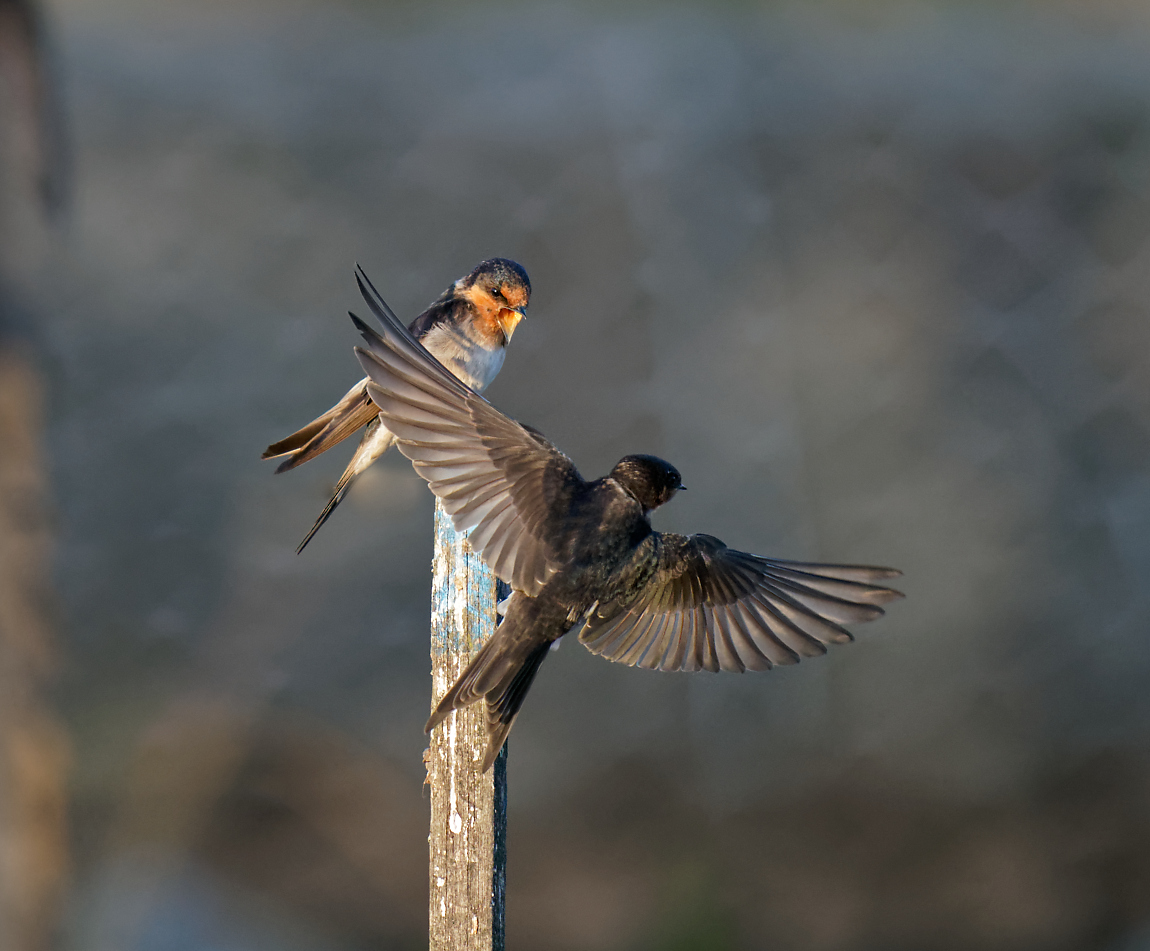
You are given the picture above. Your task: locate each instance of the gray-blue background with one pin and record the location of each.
(873, 276)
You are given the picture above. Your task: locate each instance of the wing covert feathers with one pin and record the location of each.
(497, 479)
(709, 607)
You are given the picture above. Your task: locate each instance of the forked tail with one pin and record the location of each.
(500, 675)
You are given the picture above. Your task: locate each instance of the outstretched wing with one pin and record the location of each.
(502, 481)
(708, 607)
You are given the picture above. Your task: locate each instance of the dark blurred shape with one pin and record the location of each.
(33, 140)
(33, 749)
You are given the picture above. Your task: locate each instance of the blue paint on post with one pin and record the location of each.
(462, 592)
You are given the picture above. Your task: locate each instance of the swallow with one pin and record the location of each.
(467, 328)
(583, 553)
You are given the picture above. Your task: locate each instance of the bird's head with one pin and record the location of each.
(500, 290)
(651, 480)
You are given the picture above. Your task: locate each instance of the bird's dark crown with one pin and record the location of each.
(651, 480)
(503, 278)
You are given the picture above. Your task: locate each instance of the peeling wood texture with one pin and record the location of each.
(467, 848)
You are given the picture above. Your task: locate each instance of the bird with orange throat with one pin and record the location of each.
(467, 328)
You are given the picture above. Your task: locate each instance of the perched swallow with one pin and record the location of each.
(584, 553)
(467, 328)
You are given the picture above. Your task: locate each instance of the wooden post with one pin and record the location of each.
(467, 844)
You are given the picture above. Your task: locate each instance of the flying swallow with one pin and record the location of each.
(579, 552)
(467, 328)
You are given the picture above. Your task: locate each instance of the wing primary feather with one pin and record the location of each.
(797, 639)
(650, 653)
(860, 573)
(728, 656)
(374, 300)
(711, 634)
(659, 641)
(697, 648)
(856, 591)
(764, 638)
(803, 621)
(472, 490)
(673, 657)
(603, 640)
(398, 341)
(406, 381)
(742, 643)
(633, 647)
(486, 526)
(825, 605)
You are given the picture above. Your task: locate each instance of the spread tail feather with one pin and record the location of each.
(350, 414)
(341, 488)
(375, 442)
(504, 702)
(496, 661)
(298, 439)
(500, 674)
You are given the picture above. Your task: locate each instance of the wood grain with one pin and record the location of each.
(468, 815)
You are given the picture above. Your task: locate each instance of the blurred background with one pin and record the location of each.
(874, 275)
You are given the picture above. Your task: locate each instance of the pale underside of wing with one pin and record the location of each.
(709, 607)
(505, 484)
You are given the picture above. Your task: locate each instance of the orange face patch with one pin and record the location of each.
(516, 296)
(489, 313)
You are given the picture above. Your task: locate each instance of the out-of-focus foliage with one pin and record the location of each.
(876, 282)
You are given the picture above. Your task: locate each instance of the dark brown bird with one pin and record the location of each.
(467, 328)
(580, 552)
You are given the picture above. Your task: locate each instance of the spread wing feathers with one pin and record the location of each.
(375, 300)
(350, 414)
(708, 607)
(501, 481)
(442, 310)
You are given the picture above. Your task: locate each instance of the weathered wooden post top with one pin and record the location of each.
(467, 843)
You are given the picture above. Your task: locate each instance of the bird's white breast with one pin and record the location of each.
(468, 359)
